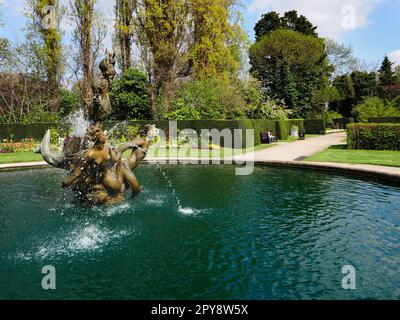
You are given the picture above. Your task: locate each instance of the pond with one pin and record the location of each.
(276, 234)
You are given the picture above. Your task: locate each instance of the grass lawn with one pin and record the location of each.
(20, 157)
(154, 152)
(193, 153)
(32, 157)
(341, 154)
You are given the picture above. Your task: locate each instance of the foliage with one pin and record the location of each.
(352, 89)
(291, 66)
(268, 109)
(334, 114)
(182, 111)
(5, 52)
(315, 126)
(396, 102)
(38, 114)
(69, 102)
(217, 40)
(88, 37)
(272, 21)
(340, 56)
(373, 107)
(207, 99)
(124, 10)
(129, 96)
(373, 136)
(365, 85)
(46, 44)
(386, 74)
(261, 106)
(132, 132)
(186, 39)
(390, 92)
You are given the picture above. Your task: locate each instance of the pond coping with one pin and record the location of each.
(366, 170)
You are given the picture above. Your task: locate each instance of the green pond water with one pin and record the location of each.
(276, 234)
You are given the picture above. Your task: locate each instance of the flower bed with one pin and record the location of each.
(10, 146)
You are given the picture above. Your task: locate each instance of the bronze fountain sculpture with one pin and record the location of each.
(97, 172)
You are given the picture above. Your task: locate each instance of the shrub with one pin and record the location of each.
(182, 111)
(384, 120)
(129, 97)
(374, 107)
(69, 102)
(341, 123)
(260, 106)
(396, 102)
(315, 126)
(39, 114)
(374, 136)
(132, 132)
(209, 98)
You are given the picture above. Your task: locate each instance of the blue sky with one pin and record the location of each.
(374, 33)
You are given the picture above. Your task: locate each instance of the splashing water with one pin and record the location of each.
(181, 209)
(111, 131)
(170, 185)
(78, 123)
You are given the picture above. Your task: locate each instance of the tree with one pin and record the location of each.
(397, 74)
(374, 107)
(129, 96)
(346, 95)
(291, 66)
(216, 41)
(365, 85)
(124, 10)
(386, 74)
(340, 56)
(88, 37)
(164, 26)
(5, 46)
(272, 21)
(44, 36)
(210, 98)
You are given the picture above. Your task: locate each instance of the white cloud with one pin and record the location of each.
(328, 15)
(395, 57)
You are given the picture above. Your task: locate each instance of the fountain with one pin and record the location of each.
(97, 172)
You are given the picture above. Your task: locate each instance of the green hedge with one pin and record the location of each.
(373, 136)
(342, 122)
(315, 126)
(280, 128)
(18, 131)
(384, 120)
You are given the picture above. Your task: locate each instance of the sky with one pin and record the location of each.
(370, 27)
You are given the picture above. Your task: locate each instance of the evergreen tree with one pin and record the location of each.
(272, 21)
(293, 67)
(386, 74)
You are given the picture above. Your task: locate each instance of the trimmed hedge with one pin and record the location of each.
(280, 128)
(342, 122)
(19, 131)
(315, 126)
(373, 136)
(384, 120)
